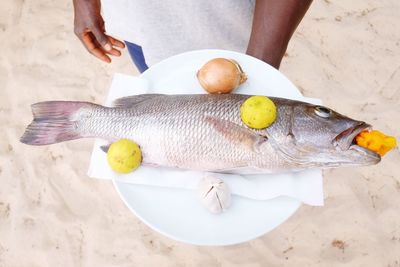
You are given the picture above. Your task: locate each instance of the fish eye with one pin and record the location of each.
(322, 111)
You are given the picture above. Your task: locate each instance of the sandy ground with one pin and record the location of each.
(51, 214)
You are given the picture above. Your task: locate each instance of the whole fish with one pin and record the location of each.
(205, 132)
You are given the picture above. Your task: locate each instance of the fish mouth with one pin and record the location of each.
(346, 141)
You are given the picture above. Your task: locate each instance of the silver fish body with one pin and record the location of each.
(205, 132)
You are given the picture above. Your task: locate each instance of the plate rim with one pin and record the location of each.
(116, 184)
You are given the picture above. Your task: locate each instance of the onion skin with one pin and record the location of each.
(221, 76)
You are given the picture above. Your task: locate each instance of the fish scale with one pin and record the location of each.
(174, 133)
(205, 132)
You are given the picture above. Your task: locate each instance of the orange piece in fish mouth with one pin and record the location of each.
(376, 141)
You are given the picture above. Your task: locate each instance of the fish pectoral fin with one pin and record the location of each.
(292, 153)
(238, 134)
(105, 148)
(130, 101)
(245, 169)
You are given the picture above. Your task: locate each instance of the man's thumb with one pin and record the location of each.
(102, 39)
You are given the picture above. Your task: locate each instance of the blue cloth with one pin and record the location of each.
(137, 56)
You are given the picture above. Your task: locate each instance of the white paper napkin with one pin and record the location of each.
(305, 186)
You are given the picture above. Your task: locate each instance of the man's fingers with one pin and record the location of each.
(116, 42)
(93, 47)
(102, 38)
(99, 53)
(114, 52)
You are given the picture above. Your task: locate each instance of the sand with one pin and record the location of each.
(51, 214)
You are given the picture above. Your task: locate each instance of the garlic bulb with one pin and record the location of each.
(214, 194)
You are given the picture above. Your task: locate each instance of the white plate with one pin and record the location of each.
(177, 213)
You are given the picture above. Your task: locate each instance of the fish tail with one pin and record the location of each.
(54, 122)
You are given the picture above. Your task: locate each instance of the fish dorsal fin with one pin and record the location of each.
(238, 134)
(130, 101)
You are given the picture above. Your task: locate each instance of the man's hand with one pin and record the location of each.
(89, 27)
(273, 25)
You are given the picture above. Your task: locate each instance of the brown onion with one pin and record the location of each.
(221, 76)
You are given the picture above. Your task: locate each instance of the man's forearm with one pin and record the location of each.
(273, 25)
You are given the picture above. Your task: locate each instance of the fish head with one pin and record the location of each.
(327, 138)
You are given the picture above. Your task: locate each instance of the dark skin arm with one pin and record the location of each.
(89, 27)
(274, 23)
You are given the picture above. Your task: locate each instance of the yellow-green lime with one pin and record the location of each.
(124, 156)
(258, 112)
